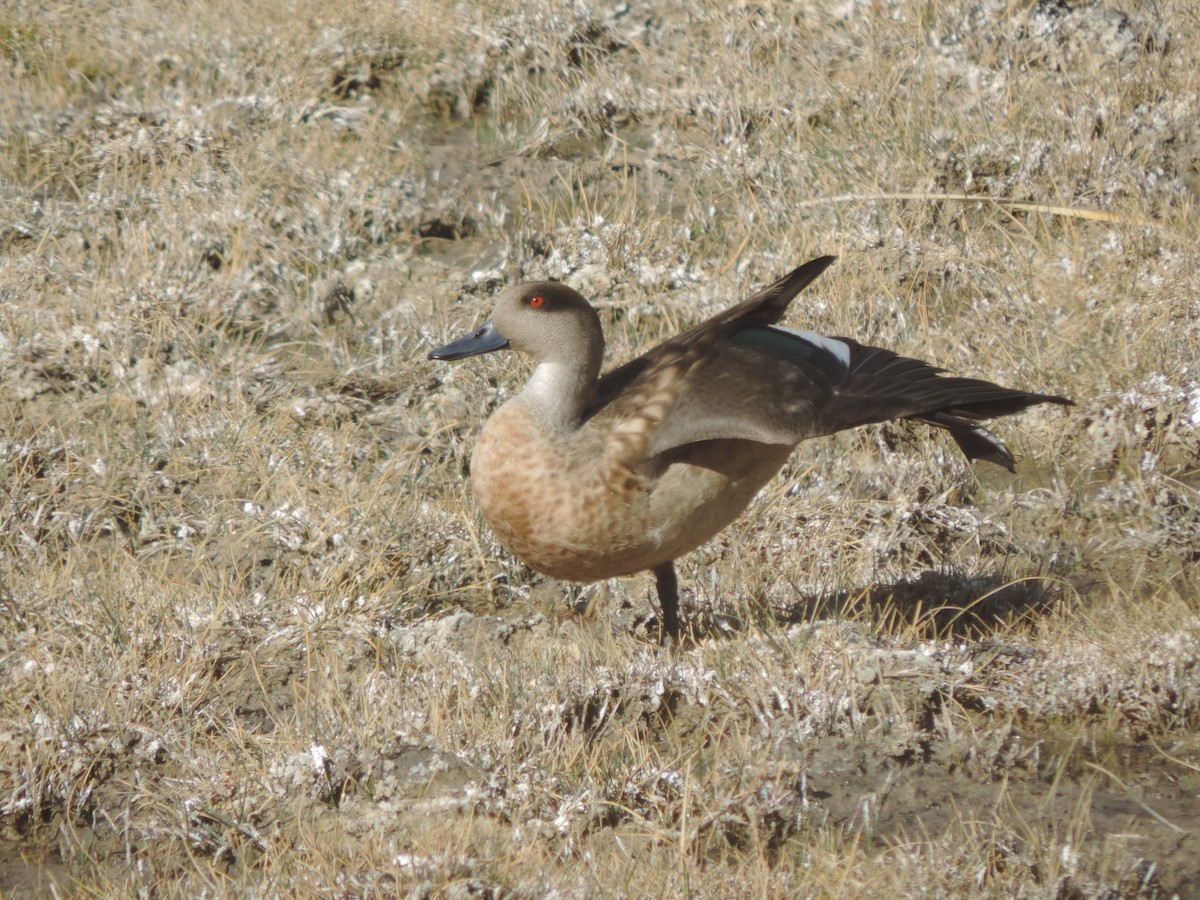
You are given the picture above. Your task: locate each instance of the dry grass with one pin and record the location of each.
(253, 636)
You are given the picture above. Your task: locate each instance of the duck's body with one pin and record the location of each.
(586, 478)
(570, 513)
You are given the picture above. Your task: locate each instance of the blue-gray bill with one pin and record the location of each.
(484, 339)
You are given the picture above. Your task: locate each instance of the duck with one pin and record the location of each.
(587, 477)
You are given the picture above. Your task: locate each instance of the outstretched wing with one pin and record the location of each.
(740, 376)
(638, 399)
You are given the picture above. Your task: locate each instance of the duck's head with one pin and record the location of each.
(548, 320)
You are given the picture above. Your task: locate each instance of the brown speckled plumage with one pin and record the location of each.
(587, 478)
(581, 515)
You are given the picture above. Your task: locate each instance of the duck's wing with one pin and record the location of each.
(633, 402)
(740, 376)
(766, 307)
(778, 385)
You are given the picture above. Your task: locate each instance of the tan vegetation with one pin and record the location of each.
(255, 638)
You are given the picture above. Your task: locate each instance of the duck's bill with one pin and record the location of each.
(484, 339)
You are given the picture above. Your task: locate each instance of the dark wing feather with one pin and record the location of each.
(737, 376)
(765, 307)
(881, 385)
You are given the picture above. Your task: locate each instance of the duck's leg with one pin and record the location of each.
(668, 598)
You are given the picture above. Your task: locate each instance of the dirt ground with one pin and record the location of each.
(256, 639)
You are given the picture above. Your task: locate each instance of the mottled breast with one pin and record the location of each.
(550, 501)
(572, 511)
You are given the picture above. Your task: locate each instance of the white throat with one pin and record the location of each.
(558, 391)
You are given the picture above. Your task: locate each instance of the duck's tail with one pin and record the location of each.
(881, 385)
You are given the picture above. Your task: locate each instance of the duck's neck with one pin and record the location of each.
(558, 392)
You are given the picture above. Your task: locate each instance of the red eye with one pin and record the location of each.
(537, 302)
